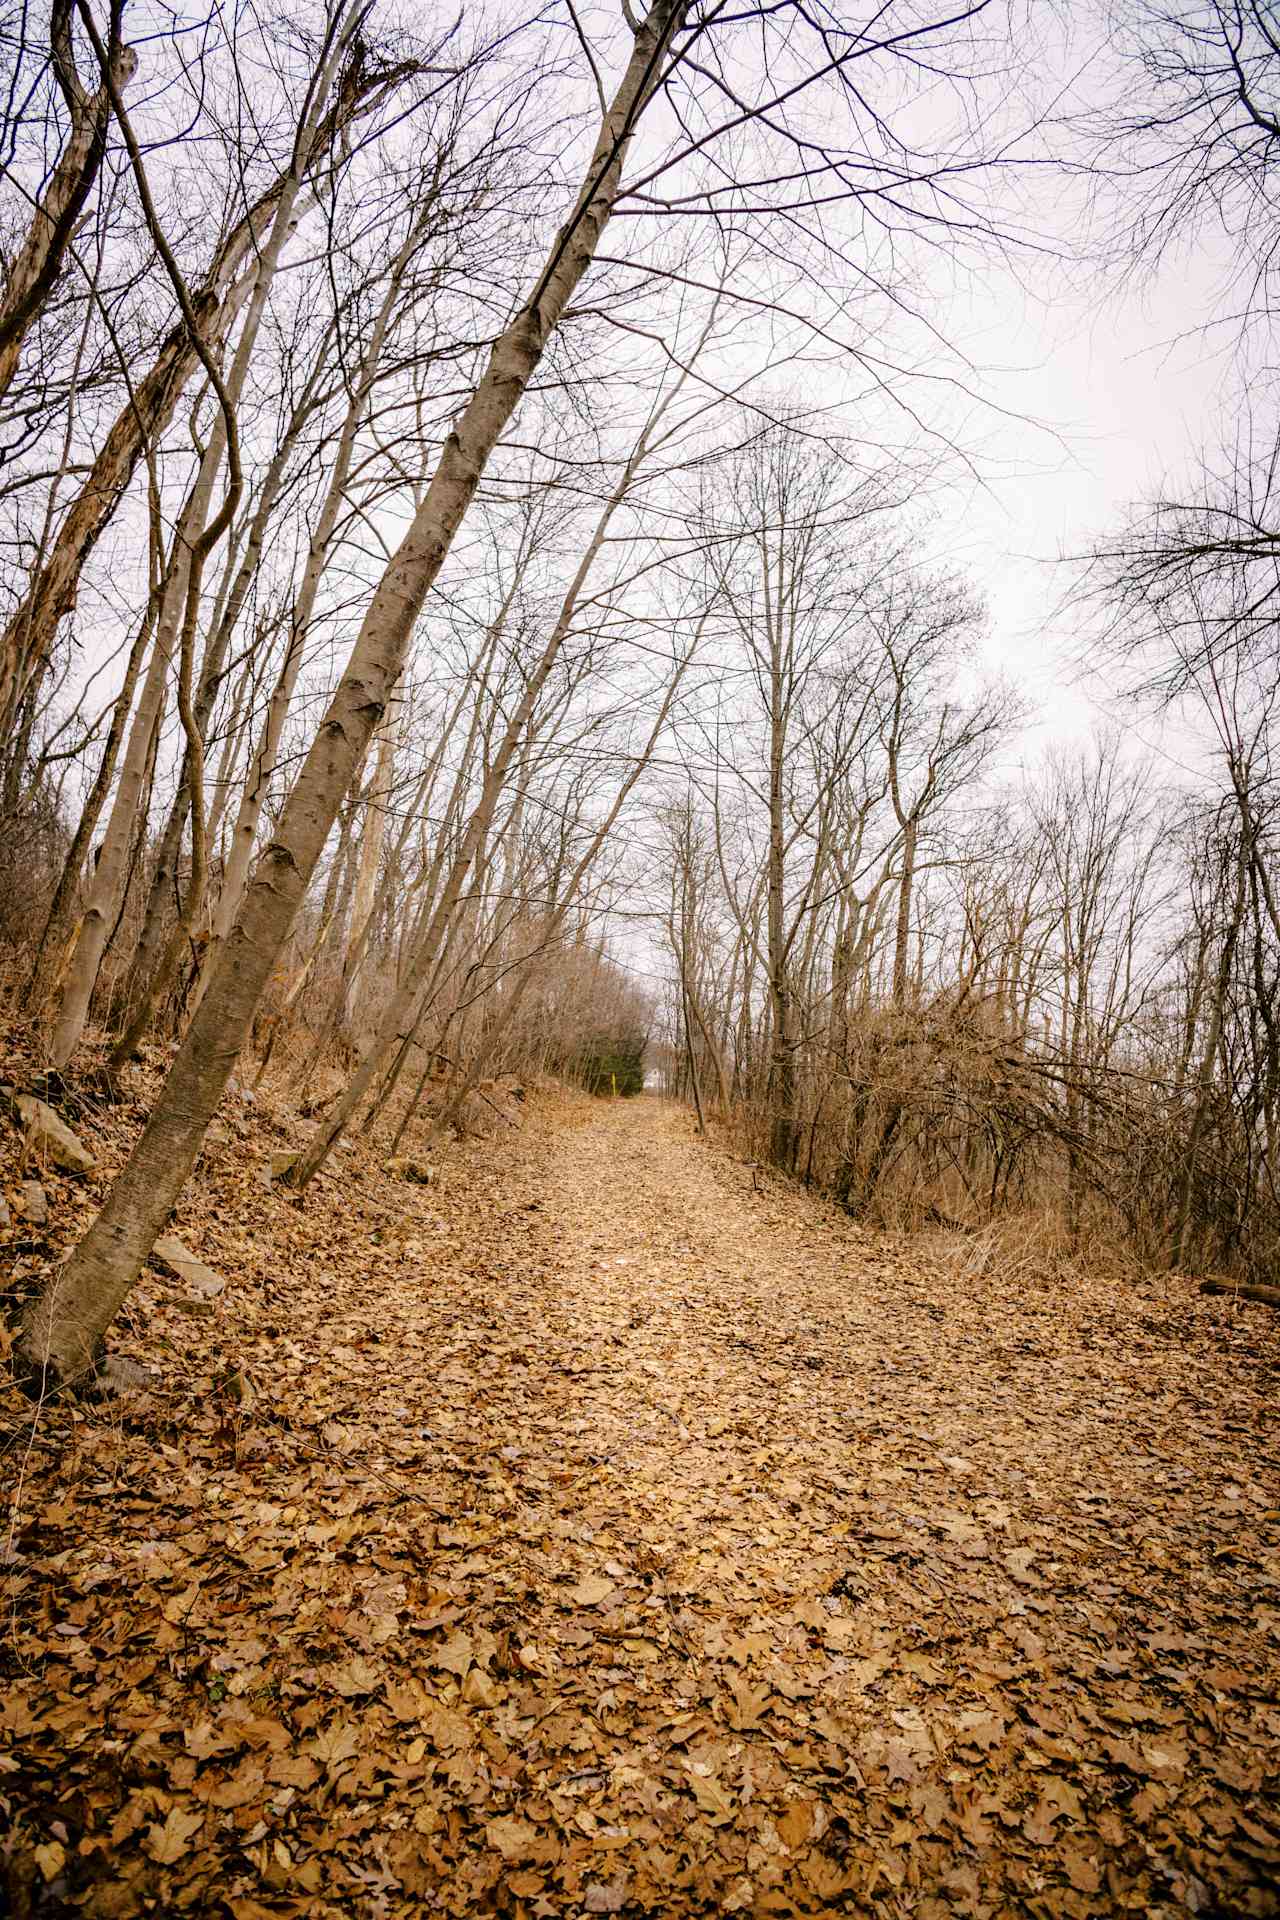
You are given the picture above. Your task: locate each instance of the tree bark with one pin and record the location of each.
(253, 799)
(1209, 1058)
(902, 937)
(1269, 1296)
(405, 1011)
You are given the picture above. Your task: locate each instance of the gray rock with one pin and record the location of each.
(178, 1260)
(117, 1374)
(44, 1129)
(35, 1203)
(278, 1167)
(418, 1172)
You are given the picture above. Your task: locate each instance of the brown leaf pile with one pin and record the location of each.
(598, 1535)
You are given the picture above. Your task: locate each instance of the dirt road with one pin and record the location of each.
(626, 1539)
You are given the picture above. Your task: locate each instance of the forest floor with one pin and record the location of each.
(606, 1531)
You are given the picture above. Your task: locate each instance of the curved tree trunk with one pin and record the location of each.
(148, 949)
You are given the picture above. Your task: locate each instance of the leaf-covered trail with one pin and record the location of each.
(620, 1538)
(973, 1586)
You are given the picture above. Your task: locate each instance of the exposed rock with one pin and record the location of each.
(238, 1386)
(118, 1374)
(170, 1253)
(5, 1216)
(278, 1167)
(45, 1130)
(35, 1203)
(417, 1172)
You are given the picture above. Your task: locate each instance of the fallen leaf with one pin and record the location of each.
(356, 1678)
(796, 1824)
(513, 1838)
(592, 1591)
(456, 1654)
(168, 1843)
(51, 1858)
(606, 1899)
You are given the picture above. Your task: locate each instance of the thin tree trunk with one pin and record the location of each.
(34, 268)
(146, 953)
(782, 1056)
(902, 939)
(55, 946)
(1208, 1059)
(28, 637)
(375, 820)
(407, 1005)
(108, 884)
(193, 719)
(249, 817)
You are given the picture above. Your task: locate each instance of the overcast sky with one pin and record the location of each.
(1111, 387)
(1111, 404)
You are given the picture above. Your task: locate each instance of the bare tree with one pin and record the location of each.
(67, 1326)
(33, 270)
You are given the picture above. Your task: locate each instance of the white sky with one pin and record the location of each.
(1113, 387)
(1111, 404)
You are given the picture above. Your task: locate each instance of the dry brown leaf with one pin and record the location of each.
(455, 1655)
(513, 1838)
(796, 1824)
(168, 1843)
(51, 1858)
(592, 1590)
(355, 1678)
(606, 1899)
(339, 1742)
(790, 1678)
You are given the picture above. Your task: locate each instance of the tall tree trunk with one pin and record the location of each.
(405, 1011)
(174, 635)
(158, 978)
(107, 888)
(253, 799)
(1209, 1057)
(64, 1331)
(902, 939)
(55, 945)
(28, 638)
(375, 820)
(782, 1065)
(231, 605)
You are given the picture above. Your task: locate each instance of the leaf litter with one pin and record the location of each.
(604, 1533)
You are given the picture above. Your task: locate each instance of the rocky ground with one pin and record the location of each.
(611, 1530)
